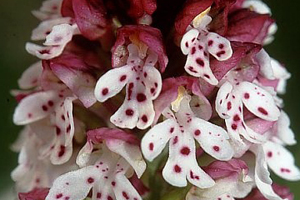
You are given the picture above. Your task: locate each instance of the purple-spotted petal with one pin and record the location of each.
(127, 115)
(35, 107)
(197, 63)
(74, 185)
(124, 190)
(112, 82)
(218, 46)
(45, 27)
(223, 103)
(212, 138)
(258, 101)
(153, 81)
(262, 175)
(281, 161)
(55, 42)
(182, 164)
(157, 137)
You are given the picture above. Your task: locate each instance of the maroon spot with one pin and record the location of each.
(220, 53)
(200, 47)
(58, 196)
(246, 95)
(141, 97)
(200, 62)
(109, 198)
(68, 128)
(105, 91)
(63, 117)
(144, 118)
(130, 86)
(197, 132)
(145, 74)
(177, 169)
(216, 148)
(210, 42)
(58, 131)
(193, 51)
(269, 154)
(236, 118)
(45, 108)
(50, 103)
(45, 51)
(207, 76)
(175, 140)
(90, 180)
(185, 151)
(193, 39)
(263, 111)
(234, 126)
(47, 32)
(129, 112)
(99, 195)
(122, 78)
(172, 130)
(221, 46)
(194, 176)
(283, 170)
(229, 106)
(62, 151)
(125, 195)
(205, 54)
(29, 115)
(113, 183)
(67, 198)
(187, 44)
(152, 90)
(151, 146)
(192, 69)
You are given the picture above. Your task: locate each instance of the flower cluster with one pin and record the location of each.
(118, 81)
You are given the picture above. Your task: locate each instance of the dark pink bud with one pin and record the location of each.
(248, 26)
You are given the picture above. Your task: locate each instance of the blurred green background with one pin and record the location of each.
(17, 22)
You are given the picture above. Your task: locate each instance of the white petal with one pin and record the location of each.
(146, 114)
(262, 175)
(223, 102)
(30, 77)
(124, 189)
(218, 46)
(75, 185)
(131, 153)
(281, 161)
(152, 80)
(284, 132)
(212, 138)
(35, 107)
(112, 82)
(182, 163)
(157, 137)
(187, 40)
(258, 101)
(127, 115)
(264, 62)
